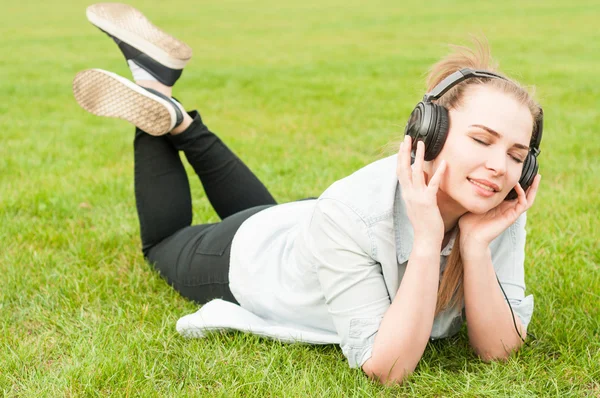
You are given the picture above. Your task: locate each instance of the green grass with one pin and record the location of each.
(305, 92)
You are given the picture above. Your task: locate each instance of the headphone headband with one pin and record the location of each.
(457, 77)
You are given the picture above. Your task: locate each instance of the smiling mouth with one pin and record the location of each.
(482, 186)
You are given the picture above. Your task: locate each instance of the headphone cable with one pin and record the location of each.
(513, 316)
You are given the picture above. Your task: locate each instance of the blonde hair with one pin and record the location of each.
(450, 291)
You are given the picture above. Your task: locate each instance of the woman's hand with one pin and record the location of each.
(479, 230)
(420, 197)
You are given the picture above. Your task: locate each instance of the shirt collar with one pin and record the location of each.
(404, 232)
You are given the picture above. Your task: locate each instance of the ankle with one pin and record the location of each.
(187, 121)
(155, 85)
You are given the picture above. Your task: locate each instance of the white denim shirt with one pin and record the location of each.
(334, 264)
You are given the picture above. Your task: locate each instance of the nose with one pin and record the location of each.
(496, 160)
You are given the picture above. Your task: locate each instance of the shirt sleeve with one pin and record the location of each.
(508, 258)
(351, 281)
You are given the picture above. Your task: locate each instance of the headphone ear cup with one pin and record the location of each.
(530, 169)
(416, 123)
(528, 175)
(438, 131)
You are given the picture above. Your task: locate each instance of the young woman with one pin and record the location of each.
(388, 257)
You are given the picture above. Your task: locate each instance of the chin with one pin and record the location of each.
(478, 208)
(478, 205)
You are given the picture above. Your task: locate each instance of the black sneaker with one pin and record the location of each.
(155, 51)
(107, 94)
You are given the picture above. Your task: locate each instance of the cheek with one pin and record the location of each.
(514, 175)
(454, 175)
(457, 166)
(455, 153)
(450, 148)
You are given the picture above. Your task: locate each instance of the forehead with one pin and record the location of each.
(490, 107)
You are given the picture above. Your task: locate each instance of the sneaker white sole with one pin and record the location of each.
(130, 25)
(106, 94)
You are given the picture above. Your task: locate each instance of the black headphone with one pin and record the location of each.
(429, 122)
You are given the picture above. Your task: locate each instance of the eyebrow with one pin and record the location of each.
(497, 135)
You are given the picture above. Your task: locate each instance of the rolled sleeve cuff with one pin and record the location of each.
(523, 309)
(359, 346)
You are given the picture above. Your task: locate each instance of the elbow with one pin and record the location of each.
(499, 354)
(386, 374)
(496, 349)
(489, 358)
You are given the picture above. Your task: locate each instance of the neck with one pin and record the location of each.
(450, 210)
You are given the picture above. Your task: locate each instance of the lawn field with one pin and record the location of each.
(306, 92)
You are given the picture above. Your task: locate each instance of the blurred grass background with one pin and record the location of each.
(306, 93)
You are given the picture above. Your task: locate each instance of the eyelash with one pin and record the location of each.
(486, 144)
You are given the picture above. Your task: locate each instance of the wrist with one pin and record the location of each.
(470, 248)
(426, 246)
(428, 240)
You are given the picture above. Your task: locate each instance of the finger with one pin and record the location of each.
(532, 191)
(506, 206)
(434, 182)
(403, 170)
(521, 198)
(418, 177)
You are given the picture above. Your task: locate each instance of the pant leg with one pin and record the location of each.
(162, 190)
(229, 184)
(195, 260)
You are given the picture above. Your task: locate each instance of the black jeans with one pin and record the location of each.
(193, 259)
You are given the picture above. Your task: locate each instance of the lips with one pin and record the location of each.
(484, 184)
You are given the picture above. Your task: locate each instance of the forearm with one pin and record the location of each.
(406, 326)
(490, 324)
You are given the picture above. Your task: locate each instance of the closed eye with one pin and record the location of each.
(516, 159)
